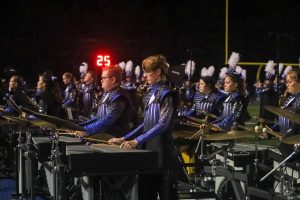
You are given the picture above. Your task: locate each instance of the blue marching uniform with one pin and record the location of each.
(267, 97)
(234, 111)
(87, 93)
(156, 135)
(129, 86)
(210, 103)
(287, 127)
(159, 110)
(114, 115)
(70, 96)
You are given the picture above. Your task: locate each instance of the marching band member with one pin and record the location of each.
(280, 87)
(155, 131)
(114, 117)
(129, 84)
(70, 97)
(70, 93)
(16, 94)
(234, 106)
(208, 98)
(292, 104)
(187, 86)
(87, 93)
(49, 97)
(115, 107)
(266, 92)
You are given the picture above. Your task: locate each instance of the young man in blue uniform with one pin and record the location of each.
(155, 132)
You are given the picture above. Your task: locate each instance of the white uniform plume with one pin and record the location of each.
(128, 68)
(286, 71)
(234, 59)
(137, 72)
(122, 65)
(238, 69)
(190, 68)
(83, 67)
(270, 67)
(223, 72)
(207, 71)
(280, 67)
(244, 74)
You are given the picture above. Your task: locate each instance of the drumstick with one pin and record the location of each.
(197, 133)
(269, 128)
(191, 124)
(12, 104)
(64, 130)
(65, 133)
(276, 134)
(85, 138)
(245, 128)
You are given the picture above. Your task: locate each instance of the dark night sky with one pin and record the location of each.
(58, 35)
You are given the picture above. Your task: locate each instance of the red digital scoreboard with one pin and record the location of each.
(103, 60)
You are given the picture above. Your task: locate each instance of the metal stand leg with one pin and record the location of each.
(283, 162)
(57, 168)
(20, 172)
(20, 163)
(256, 161)
(183, 168)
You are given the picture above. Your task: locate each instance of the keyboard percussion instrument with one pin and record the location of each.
(224, 159)
(64, 155)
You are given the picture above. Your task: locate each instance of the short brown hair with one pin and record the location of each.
(92, 73)
(68, 75)
(155, 62)
(114, 71)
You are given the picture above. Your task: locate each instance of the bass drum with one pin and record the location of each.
(225, 190)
